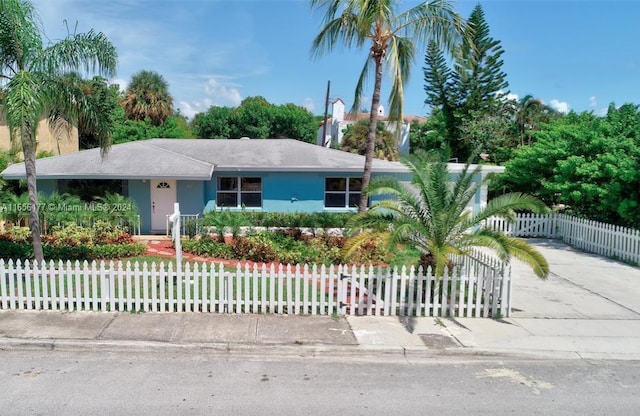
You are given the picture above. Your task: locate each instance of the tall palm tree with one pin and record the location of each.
(33, 84)
(530, 112)
(393, 39)
(147, 96)
(433, 216)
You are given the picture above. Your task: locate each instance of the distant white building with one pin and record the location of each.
(339, 120)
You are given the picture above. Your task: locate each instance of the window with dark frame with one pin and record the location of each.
(342, 192)
(238, 192)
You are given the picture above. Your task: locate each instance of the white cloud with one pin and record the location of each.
(512, 96)
(308, 104)
(190, 109)
(561, 106)
(122, 84)
(593, 107)
(507, 97)
(222, 94)
(219, 93)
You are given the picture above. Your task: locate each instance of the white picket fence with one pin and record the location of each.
(596, 237)
(476, 288)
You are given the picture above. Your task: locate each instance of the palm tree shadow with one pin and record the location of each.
(409, 323)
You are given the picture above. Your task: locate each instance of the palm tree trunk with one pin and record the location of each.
(371, 137)
(34, 219)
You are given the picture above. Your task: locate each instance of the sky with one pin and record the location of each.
(578, 55)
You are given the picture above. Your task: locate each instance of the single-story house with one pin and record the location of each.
(281, 175)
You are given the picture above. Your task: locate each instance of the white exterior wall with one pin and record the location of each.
(335, 131)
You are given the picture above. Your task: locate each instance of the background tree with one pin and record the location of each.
(34, 86)
(393, 37)
(295, 122)
(95, 128)
(472, 93)
(479, 78)
(355, 140)
(258, 119)
(253, 118)
(434, 218)
(214, 124)
(585, 162)
(430, 135)
(174, 127)
(441, 93)
(147, 96)
(530, 113)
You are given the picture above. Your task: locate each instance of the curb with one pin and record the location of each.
(239, 349)
(315, 351)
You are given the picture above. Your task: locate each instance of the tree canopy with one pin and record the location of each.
(586, 163)
(256, 118)
(469, 97)
(355, 140)
(148, 97)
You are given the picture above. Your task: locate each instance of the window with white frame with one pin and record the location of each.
(342, 192)
(238, 192)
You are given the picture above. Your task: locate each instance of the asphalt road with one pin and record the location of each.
(124, 383)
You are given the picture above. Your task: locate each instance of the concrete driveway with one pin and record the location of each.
(581, 286)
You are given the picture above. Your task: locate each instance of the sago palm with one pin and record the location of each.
(393, 38)
(433, 215)
(33, 84)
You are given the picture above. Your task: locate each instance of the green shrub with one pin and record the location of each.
(63, 252)
(72, 242)
(207, 246)
(16, 251)
(256, 248)
(23, 251)
(71, 235)
(235, 219)
(17, 234)
(108, 233)
(289, 246)
(373, 251)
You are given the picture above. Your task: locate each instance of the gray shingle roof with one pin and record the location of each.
(194, 159)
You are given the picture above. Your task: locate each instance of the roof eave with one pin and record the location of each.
(116, 177)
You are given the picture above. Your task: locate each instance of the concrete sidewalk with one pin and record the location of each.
(589, 308)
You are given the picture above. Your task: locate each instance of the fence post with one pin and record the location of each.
(104, 287)
(342, 293)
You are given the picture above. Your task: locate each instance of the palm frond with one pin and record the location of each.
(505, 206)
(88, 52)
(359, 90)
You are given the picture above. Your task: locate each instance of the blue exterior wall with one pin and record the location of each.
(190, 195)
(286, 191)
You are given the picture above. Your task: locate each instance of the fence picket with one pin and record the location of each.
(324, 291)
(313, 280)
(3, 285)
(592, 236)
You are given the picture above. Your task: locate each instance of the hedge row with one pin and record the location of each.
(24, 250)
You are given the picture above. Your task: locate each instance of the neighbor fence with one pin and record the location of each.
(596, 237)
(476, 287)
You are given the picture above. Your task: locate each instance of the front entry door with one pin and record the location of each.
(163, 196)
